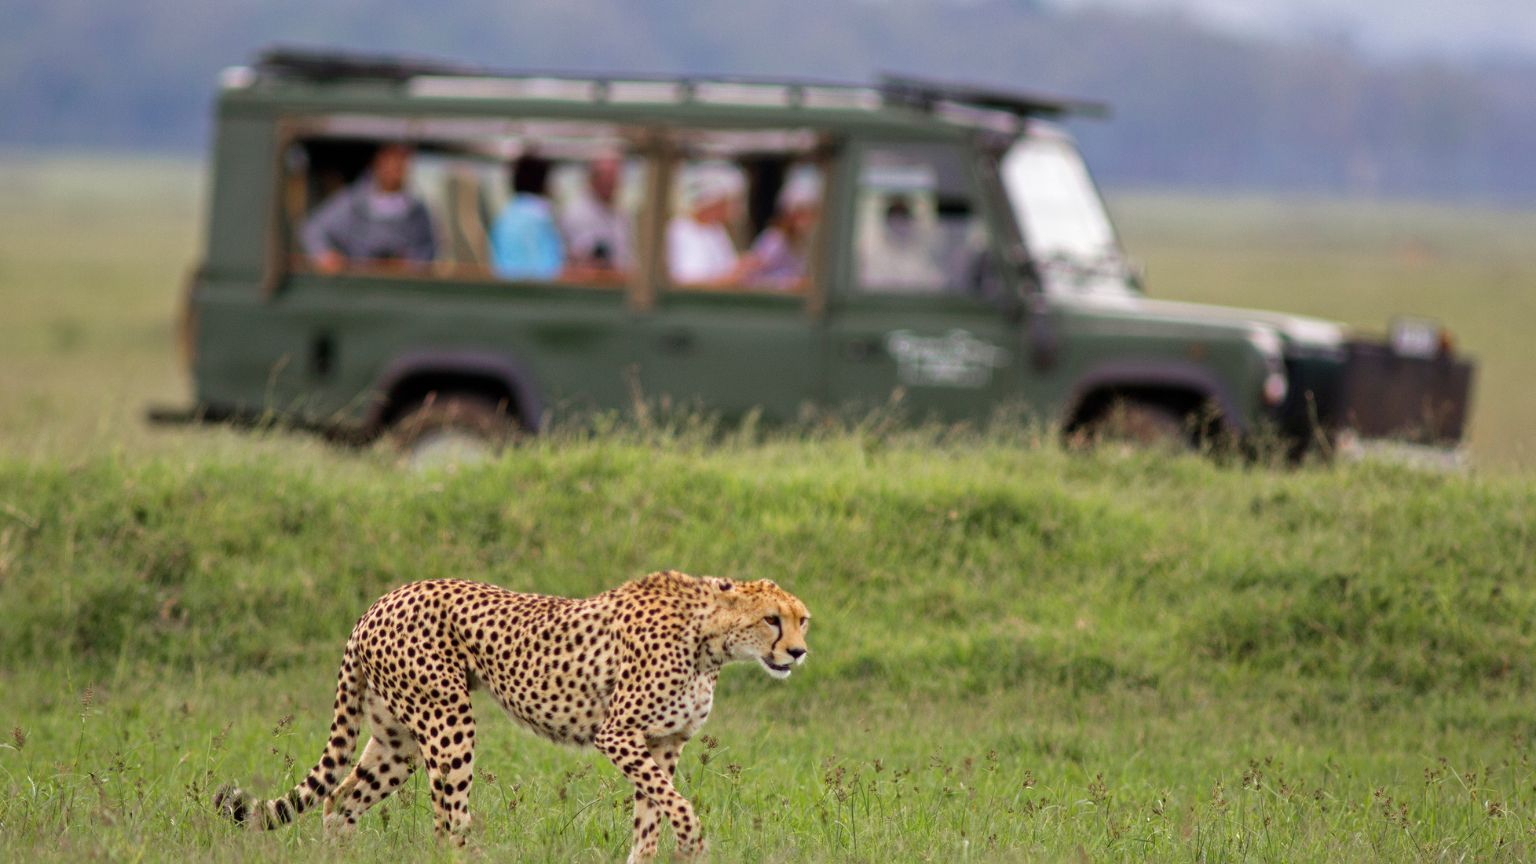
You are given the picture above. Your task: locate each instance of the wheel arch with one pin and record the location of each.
(1185, 387)
(411, 377)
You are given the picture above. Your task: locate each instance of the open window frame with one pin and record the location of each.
(491, 143)
(766, 156)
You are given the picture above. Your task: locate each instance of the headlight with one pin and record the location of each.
(1275, 388)
(1269, 345)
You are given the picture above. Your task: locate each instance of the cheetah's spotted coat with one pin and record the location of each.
(631, 672)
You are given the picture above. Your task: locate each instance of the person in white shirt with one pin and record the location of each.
(700, 251)
(901, 255)
(597, 231)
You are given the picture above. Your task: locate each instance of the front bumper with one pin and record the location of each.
(1373, 393)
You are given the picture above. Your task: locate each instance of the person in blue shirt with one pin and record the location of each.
(525, 244)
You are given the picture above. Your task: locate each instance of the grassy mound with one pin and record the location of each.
(918, 561)
(1097, 648)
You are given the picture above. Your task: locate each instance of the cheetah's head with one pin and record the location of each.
(762, 623)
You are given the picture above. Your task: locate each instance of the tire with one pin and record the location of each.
(447, 429)
(1137, 424)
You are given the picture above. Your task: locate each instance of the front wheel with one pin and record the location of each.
(454, 428)
(1136, 424)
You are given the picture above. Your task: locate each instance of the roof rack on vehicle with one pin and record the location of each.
(443, 78)
(311, 64)
(924, 93)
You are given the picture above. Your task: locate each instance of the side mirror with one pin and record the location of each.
(1026, 302)
(1043, 341)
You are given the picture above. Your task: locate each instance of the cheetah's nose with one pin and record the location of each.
(796, 653)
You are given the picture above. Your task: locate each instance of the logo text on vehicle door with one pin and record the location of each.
(956, 359)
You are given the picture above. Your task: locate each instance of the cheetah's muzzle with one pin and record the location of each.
(778, 671)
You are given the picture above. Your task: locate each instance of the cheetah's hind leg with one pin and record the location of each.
(443, 724)
(387, 761)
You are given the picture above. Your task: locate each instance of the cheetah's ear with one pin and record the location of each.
(730, 594)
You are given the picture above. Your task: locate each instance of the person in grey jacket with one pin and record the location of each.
(373, 220)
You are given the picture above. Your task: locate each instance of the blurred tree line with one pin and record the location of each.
(1192, 107)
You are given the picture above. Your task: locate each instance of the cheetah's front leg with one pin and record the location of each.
(632, 754)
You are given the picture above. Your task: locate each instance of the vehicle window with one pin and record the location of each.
(1062, 217)
(473, 199)
(918, 229)
(744, 213)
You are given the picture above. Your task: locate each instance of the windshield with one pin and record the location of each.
(1057, 207)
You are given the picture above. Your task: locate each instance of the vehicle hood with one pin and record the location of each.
(1308, 334)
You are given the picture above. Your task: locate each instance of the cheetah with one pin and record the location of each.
(630, 672)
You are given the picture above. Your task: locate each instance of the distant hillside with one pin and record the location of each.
(1464, 29)
(1192, 107)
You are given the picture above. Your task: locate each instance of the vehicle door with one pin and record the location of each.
(729, 330)
(922, 316)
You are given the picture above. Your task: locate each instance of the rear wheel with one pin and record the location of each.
(454, 428)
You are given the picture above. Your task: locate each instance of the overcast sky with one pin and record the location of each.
(1456, 28)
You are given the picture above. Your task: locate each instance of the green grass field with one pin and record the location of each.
(1019, 653)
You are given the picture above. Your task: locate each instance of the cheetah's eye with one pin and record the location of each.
(773, 620)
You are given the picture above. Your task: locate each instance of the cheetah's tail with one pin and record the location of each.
(243, 810)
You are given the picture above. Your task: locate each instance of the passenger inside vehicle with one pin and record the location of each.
(374, 220)
(900, 255)
(779, 256)
(524, 241)
(596, 228)
(700, 251)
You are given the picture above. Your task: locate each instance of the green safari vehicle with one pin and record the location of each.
(423, 249)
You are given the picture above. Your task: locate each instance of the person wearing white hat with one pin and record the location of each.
(699, 248)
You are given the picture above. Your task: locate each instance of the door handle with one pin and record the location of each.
(862, 349)
(677, 341)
